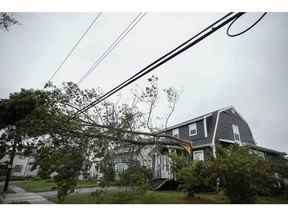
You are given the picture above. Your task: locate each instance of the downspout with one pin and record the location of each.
(214, 135)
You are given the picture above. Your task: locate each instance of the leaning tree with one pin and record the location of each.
(66, 146)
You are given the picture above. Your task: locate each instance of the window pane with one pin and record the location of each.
(192, 129)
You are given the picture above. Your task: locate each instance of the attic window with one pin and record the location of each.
(175, 132)
(193, 129)
(236, 133)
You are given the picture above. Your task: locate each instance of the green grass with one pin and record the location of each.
(153, 197)
(150, 197)
(44, 185)
(272, 200)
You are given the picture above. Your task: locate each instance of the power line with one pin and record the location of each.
(159, 61)
(247, 29)
(184, 46)
(123, 34)
(75, 45)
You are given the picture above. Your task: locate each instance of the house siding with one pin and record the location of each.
(199, 138)
(224, 130)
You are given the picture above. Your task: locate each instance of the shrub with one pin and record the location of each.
(196, 177)
(242, 174)
(137, 178)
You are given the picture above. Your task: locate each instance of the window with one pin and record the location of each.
(236, 133)
(17, 168)
(175, 132)
(193, 129)
(121, 167)
(198, 155)
(21, 157)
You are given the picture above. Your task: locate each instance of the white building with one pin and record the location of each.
(22, 165)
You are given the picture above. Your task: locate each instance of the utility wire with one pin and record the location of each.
(158, 62)
(75, 45)
(247, 29)
(123, 34)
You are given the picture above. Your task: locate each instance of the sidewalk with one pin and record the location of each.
(21, 196)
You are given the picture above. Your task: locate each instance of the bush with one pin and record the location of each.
(196, 177)
(243, 175)
(138, 178)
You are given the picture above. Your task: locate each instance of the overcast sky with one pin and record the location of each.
(248, 72)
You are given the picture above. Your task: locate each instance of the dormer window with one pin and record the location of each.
(236, 133)
(193, 129)
(175, 132)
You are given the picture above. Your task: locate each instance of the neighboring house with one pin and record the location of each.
(22, 165)
(222, 127)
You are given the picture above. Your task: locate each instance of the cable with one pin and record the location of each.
(75, 45)
(158, 61)
(123, 34)
(247, 29)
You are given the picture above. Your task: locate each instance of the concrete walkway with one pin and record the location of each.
(21, 196)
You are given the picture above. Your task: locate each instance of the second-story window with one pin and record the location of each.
(236, 133)
(193, 129)
(175, 132)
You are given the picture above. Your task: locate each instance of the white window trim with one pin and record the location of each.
(205, 127)
(197, 152)
(175, 132)
(194, 128)
(237, 130)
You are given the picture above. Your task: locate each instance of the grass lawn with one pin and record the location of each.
(150, 197)
(44, 185)
(272, 200)
(157, 197)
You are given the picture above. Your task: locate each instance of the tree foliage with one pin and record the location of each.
(242, 174)
(137, 178)
(7, 20)
(194, 176)
(15, 112)
(97, 132)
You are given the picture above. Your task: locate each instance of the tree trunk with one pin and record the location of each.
(9, 170)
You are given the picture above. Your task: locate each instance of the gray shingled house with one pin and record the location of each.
(222, 127)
